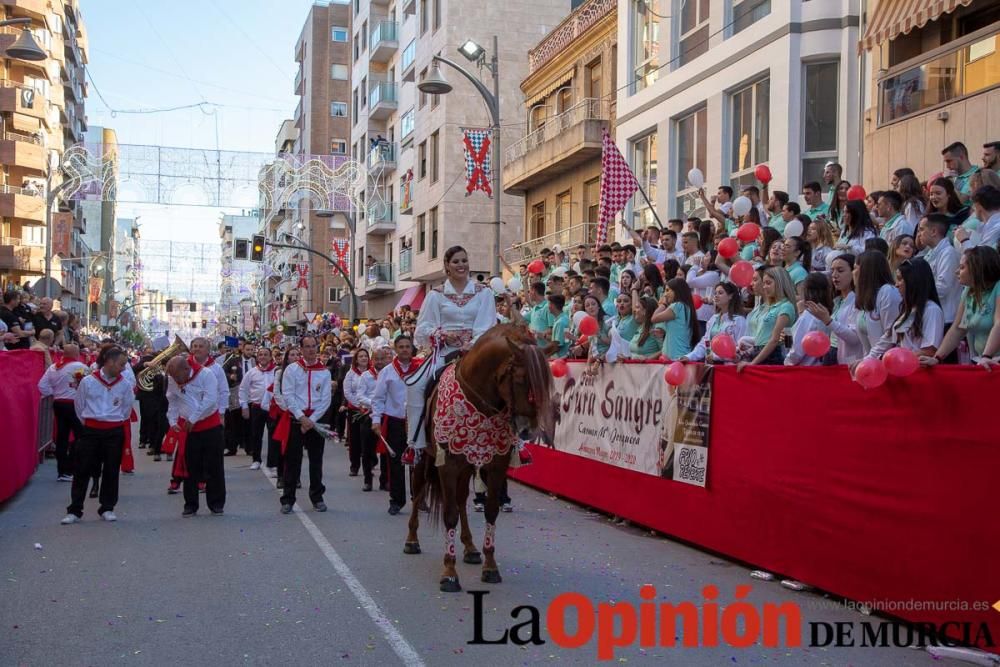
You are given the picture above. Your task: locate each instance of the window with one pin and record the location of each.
(693, 40)
(364, 36)
(645, 47)
(339, 34)
(537, 222)
(363, 92)
(593, 81)
(819, 125)
(421, 232)
(748, 12)
(423, 16)
(338, 109)
(692, 147)
(644, 167)
(437, 14)
(339, 72)
(423, 95)
(338, 147)
(354, 103)
(361, 261)
(421, 160)
(564, 210)
(433, 214)
(564, 100)
(592, 200)
(336, 295)
(357, 48)
(435, 158)
(749, 121)
(406, 124)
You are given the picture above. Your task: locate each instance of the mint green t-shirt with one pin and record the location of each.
(599, 346)
(978, 321)
(820, 209)
(627, 326)
(797, 273)
(777, 222)
(677, 341)
(763, 317)
(649, 349)
(540, 320)
(559, 329)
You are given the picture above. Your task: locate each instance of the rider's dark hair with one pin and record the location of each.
(452, 251)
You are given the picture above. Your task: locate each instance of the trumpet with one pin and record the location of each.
(144, 378)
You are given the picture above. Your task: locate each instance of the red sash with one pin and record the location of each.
(383, 430)
(128, 462)
(282, 430)
(177, 440)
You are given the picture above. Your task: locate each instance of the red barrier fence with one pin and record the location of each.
(19, 436)
(887, 494)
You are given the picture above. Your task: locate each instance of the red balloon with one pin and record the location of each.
(748, 232)
(537, 266)
(728, 247)
(588, 326)
(741, 274)
(724, 347)
(676, 374)
(816, 344)
(870, 373)
(698, 301)
(559, 367)
(582, 341)
(900, 362)
(763, 173)
(856, 193)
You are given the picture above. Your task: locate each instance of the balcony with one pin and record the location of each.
(23, 150)
(560, 145)
(298, 89)
(36, 9)
(382, 157)
(16, 96)
(384, 42)
(568, 239)
(410, 7)
(26, 204)
(407, 62)
(378, 278)
(382, 100)
(382, 222)
(405, 261)
(23, 256)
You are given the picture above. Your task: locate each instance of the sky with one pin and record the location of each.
(236, 55)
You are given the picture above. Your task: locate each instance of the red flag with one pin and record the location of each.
(618, 184)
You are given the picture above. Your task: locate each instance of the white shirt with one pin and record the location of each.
(987, 235)
(856, 246)
(102, 399)
(247, 363)
(390, 394)
(372, 344)
(352, 387)
(900, 334)
(366, 390)
(254, 384)
(844, 325)
(913, 211)
(306, 389)
(472, 312)
(900, 226)
(59, 382)
(805, 324)
(274, 394)
(735, 327)
(704, 286)
(653, 254)
(872, 325)
(221, 381)
(943, 259)
(196, 400)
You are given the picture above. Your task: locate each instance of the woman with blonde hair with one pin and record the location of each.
(773, 314)
(820, 238)
(901, 249)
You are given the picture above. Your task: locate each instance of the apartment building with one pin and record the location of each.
(569, 103)
(41, 113)
(241, 292)
(933, 77)
(725, 85)
(416, 203)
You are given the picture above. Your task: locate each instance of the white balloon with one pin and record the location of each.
(742, 205)
(793, 228)
(578, 317)
(496, 284)
(696, 178)
(514, 284)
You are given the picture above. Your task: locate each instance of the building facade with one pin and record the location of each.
(569, 103)
(41, 114)
(725, 85)
(933, 77)
(412, 143)
(124, 272)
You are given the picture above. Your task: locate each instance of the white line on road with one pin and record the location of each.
(399, 645)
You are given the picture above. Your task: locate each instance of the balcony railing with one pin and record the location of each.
(385, 215)
(14, 190)
(574, 25)
(405, 261)
(380, 272)
(591, 108)
(409, 56)
(944, 75)
(384, 31)
(27, 243)
(381, 92)
(567, 239)
(381, 155)
(26, 138)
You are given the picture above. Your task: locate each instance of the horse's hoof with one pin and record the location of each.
(450, 585)
(411, 548)
(491, 577)
(473, 558)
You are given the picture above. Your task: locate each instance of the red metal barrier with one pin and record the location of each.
(19, 418)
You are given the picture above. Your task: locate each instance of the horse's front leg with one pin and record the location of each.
(418, 485)
(471, 554)
(495, 474)
(449, 478)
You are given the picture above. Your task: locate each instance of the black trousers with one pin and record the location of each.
(340, 423)
(274, 457)
(66, 423)
(203, 456)
(258, 424)
(159, 428)
(234, 430)
(313, 443)
(148, 404)
(362, 444)
(396, 437)
(97, 447)
(504, 498)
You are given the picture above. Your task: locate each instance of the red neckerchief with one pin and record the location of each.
(109, 385)
(63, 362)
(209, 361)
(414, 365)
(195, 369)
(192, 362)
(315, 367)
(266, 370)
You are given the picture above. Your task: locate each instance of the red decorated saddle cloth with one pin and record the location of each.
(466, 431)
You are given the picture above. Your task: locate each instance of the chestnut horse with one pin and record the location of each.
(505, 377)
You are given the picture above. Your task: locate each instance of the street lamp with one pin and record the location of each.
(435, 84)
(24, 47)
(352, 227)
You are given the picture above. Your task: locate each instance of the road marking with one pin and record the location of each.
(399, 645)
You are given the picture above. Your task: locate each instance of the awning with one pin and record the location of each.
(893, 18)
(412, 297)
(558, 82)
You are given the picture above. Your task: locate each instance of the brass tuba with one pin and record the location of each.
(144, 378)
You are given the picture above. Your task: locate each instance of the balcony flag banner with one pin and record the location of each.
(478, 165)
(342, 253)
(303, 271)
(618, 184)
(95, 289)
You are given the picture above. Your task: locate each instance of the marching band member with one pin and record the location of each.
(352, 388)
(252, 389)
(60, 381)
(451, 319)
(365, 396)
(193, 413)
(389, 409)
(200, 351)
(277, 412)
(306, 388)
(103, 403)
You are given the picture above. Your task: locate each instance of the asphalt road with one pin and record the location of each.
(254, 587)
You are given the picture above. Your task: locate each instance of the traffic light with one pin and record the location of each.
(170, 305)
(240, 249)
(204, 324)
(257, 248)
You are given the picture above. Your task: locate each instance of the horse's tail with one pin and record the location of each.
(433, 495)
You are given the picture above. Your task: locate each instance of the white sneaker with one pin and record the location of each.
(65, 478)
(255, 466)
(70, 519)
(109, 516)
(272, 473)
(507, 507)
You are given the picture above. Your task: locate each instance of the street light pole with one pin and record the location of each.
(302, 245)
(50, 197)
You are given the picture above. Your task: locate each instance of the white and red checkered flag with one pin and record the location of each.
(342, 254)
(618, 184)
(303, 271)
(478, 163)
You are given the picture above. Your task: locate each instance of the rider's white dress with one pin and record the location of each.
(467, 314)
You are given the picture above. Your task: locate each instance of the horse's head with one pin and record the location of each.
(525, 384)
